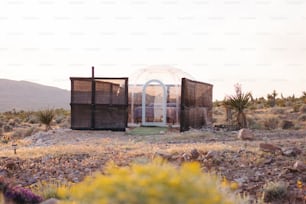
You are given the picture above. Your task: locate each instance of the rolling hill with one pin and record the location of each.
(24, 95)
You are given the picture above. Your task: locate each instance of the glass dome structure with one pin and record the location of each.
(155, 96)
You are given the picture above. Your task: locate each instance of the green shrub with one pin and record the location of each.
(45, 117)
(156, 182)
(275, 191)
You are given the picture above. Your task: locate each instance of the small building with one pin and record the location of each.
(154, 96)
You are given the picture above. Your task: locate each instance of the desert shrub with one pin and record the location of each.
(287, 124)
(16, 194)
(7, 128)
(21, 195)
(280, 102)
(48, 190)
(5, 139)
(253, 123)
(303, 109)
(296, 108)
(17, 134)
(154, 182)
(45, 117)
(275, 191)
(302, 117)
(23, 132)
(278, 111)
(32, 119)
(271, 123)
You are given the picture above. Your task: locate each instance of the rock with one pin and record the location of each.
(164, 155)
(291, 151)
(12, 165)
(11, 122)
(50, 201)
(266, 147)
(241, 180)
(211, 154)
(299, 166)
(287, 124)
(186, 156)
(245, 134)
(4, 173)
(194, 154)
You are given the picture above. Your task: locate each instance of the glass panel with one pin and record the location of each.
(154, 106)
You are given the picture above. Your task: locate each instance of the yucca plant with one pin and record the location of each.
(239, 102)
(45, 117)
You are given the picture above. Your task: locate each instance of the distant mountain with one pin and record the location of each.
(24, 95)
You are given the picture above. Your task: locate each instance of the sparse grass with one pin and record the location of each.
(271, 123)
(48, 189)
(278, 110)
(147, 131)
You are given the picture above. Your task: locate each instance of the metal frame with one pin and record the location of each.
(144, 122)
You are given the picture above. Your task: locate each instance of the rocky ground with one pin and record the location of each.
(251, 161)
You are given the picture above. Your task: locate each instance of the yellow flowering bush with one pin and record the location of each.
(153, 183)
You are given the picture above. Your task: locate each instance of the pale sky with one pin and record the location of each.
(260, 44)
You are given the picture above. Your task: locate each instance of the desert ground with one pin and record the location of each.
(272, 154)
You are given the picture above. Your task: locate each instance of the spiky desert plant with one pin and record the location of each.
(239, 102)
(45, 117)
(275, 191)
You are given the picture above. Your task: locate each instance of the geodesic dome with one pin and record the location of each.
(155, 95)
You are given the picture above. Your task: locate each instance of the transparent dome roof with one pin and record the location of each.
(163, 73)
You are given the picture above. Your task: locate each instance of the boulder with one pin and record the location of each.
(294, 151)
(245, 134)
(266, 147)
(299, 166)
(287, 124)
(50, 201)
(7, 128)
(211, 154)
(194, 154)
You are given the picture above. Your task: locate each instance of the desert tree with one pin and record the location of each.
(239, 102)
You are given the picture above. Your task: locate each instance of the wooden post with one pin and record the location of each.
(93, 97)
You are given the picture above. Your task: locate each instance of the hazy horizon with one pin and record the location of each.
(259, 44)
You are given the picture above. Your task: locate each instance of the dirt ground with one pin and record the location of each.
(67, 155)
